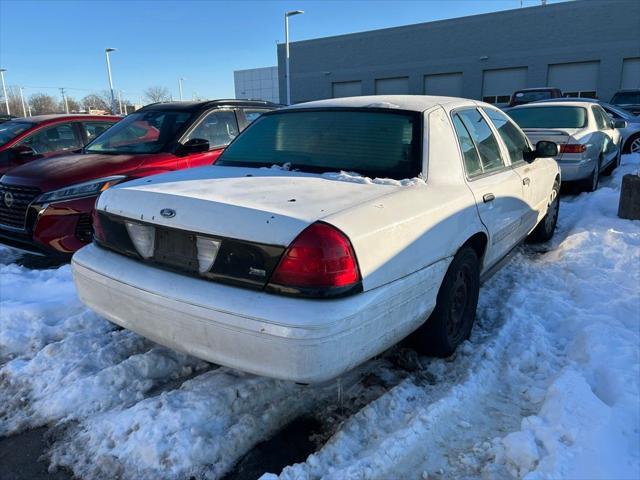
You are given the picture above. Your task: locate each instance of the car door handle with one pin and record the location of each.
(488, 197)
(526, 181)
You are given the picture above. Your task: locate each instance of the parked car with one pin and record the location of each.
(590, 142)
(25, 139)
(46, 205)
(6, 118)
(266, 264)
(628, 99)
(630, 134)
(527, 95)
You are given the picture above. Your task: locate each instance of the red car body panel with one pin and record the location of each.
(39, 123)
(61, 227)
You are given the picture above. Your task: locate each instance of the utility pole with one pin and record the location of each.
(4, 90)
(120, 101)
(180, 80)
(24, 110)
(64, 99)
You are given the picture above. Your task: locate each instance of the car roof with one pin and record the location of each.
(536, 89)
(417, 103)
(557, 103)
(570, 99)
(63, 116)
(192, 106)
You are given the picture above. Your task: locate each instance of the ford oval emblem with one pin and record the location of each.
(168, 212)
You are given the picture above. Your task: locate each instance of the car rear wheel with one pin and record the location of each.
(591, 184)
(451, 321)
(633, 144)
(545, 229)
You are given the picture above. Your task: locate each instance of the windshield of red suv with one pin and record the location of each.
(144, 132)
(9, 130)
(375, 143)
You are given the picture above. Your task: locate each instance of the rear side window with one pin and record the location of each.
(470, 154)
(53, 139)
(602, 120)
(369, 142)
(484, 140)
(511, 135)
(93, 129)
(251, 114)
(549, 117)
(219, 128)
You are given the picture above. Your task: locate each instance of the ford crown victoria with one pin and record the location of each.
(325, 233)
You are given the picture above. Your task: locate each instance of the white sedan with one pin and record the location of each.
(282, 261)
(589, 140)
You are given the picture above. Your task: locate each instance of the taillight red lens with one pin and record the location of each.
(320, 257)
(573, 148)
(98, 232)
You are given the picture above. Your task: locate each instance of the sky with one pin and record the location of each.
(55, 43)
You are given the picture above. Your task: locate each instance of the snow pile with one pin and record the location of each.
(357, 178)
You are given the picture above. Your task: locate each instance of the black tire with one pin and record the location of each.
(451, 321)
(613, 165)
(591, 183)
(546, 228)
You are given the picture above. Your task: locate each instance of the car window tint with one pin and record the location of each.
(52, 139)
(218, 128)
(469, 152)
(93, 129)
(549, 117)
(385, 144)
(511, 135)
(484, 139)
(10, 130)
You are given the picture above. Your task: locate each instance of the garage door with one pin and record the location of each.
(577, 79)
(448, 84)
(499, 84)
(630, 73)
(346, 89)
(392, 86)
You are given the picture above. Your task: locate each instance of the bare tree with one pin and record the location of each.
(97, 101)
(41, 103)
(74, 105)
(157, 94)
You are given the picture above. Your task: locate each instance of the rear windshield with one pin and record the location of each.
(368, 142)
(549, 117)
(527, 97)
(623, 98)
(9, 130)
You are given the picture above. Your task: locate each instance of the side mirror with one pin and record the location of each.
(23, 152)
(195, 145)
(619, 123)
(546, 149)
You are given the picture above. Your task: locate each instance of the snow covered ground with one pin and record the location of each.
(547, 387)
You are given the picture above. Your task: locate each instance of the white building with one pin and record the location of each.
(257, 84)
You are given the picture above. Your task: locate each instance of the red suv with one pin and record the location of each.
(46, 205)
(25, 139)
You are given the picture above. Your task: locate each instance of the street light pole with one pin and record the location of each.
(113, 97)
(4, 90)
(24, 109)
(120, 101)
(286, 48)
(180, 80)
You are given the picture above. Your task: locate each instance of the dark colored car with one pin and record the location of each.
(46, 205)
(25, 139)
(628, 99)
(6, 118)
(528, 95)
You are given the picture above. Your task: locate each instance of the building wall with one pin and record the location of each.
(479, 56)
(257, 84)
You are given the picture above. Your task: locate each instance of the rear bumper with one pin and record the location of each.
(297, 339)
(576, 169)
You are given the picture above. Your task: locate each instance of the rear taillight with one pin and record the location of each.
(319, 260)
(573, 148)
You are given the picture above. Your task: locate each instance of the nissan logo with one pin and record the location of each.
(8, 199)
(165, 212)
